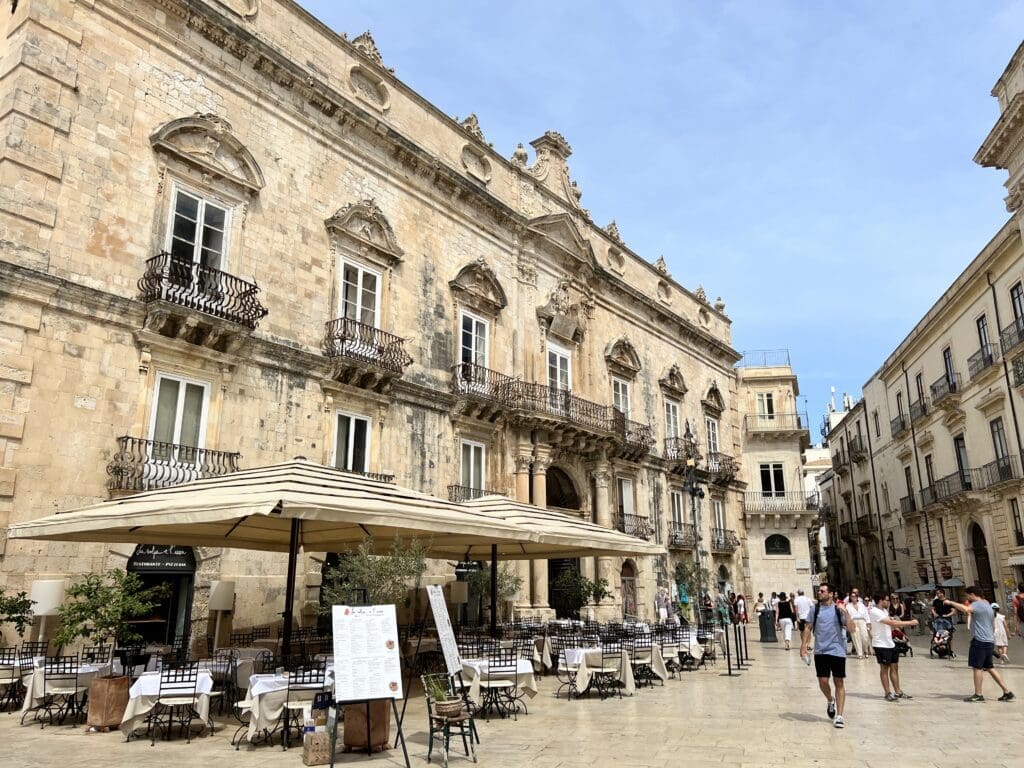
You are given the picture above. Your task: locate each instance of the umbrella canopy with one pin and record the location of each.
(906, 590)
(954, 583)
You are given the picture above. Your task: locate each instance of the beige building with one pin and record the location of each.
(229, 236)
(927, 464)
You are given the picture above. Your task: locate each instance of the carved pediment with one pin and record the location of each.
(622, 358)
(561, 231)
(364, 223)
(673, 384)
(208, 143)
(477, 286)
(713, 402)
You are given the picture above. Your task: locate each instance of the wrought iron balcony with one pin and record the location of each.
(484, 394)
(461, 493)
(721, 468)
(775, 422)
(952, 485)
(908, 506)
(946, 390)
(899, 425)
(1003, 470)
(682, 535)
(346, 338)
(840, 462)
(928, 496)
(918, 409)
(858, 448)
(1012, 335)
(562, 403)
(145, 465)
(848, 531)
(724, 540)
(771, 502)
(981, 360)
(681, 450)
(204, 289)
(379, 476)
(1018, 371)
(635, 439)
(633, 525)
(866, 525)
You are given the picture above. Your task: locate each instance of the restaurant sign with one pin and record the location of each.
(162, 558)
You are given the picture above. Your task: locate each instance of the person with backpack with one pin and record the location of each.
(829, 624)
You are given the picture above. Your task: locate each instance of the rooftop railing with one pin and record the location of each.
(764, 358)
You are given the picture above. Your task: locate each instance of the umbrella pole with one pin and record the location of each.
(494, 590)
(289, 589)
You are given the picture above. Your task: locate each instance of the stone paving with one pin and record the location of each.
(771, 714)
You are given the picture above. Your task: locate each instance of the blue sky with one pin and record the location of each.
(808, 162)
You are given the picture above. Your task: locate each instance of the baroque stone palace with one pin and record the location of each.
(230, 236)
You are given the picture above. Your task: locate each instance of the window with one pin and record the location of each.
(1018, 529)
(962, 465)
(198, 231)
(920, 540)
(982, 323)
(675, 502)
(620, 397)
(772, 482)
(919, 386)
(1017, 302)
(947, 366)
(474, 341)
(712, 428)
(718, 513)
(942, 538)
(352, 443)
(359, 294)
(777, 544)
(671, 418)
(908, 478)
(765, 406)
(178, 426)
(998, 439)
(929, 470)
(473, 465)
(878, 427)
(625, 488)
(899, 404)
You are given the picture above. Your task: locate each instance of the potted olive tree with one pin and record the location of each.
(572, 590)
(17, 610)
(376, 580)
(508, 586)
(99, 608)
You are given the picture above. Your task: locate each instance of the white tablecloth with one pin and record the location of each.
(267, 695)
(590, 660)
(474, 670)
(145, 691)
(34, 683)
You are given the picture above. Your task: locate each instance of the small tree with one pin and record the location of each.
(101, 605)
(693, 578)
(16, 610)
(383, 579)
(575, 590)
(509, 583)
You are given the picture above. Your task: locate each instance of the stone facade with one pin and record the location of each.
(367, 263)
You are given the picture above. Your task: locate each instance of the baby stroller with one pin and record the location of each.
(942, 639)
(899, 639)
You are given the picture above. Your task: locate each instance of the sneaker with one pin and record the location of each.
(903, 695)
(891, 697)
(839, 722)
(975, 697)
(1008, 696)
(831, 710)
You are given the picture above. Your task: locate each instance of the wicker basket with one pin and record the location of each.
(449, 708)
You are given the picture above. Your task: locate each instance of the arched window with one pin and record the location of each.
(776, 544)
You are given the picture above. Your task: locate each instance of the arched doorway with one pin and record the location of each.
(564, 609)
(724, 583)
(627, 579)
(982, 566)
(561, 491)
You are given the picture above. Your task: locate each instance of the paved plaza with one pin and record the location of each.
(771, 714)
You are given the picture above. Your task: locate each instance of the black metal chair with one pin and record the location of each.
(10, 678)
(441, 719)
(134, 660)
(96, 654)
(499, 683)
(306, 678)
(34, 648)
(641, 657)
(60, 691)
(224, 670)
(567, 666)
(177, 700)
(606, 677)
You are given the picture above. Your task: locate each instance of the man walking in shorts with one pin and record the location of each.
(983, 642)
(828, 623)
(885, 649)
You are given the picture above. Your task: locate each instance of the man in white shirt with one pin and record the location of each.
(858, 611)
(803, 605)
(885, 649)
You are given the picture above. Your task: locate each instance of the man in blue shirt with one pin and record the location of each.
(829, 624)
(983, 642)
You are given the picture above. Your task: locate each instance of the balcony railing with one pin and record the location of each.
(908, 505)
(461, 493)
(378, 476)
(981, 360)
(858, 448)
(637, 436)
(724, 540)
(839, 462)
(347, 338)
(1012, 335)
(764, 358)
(774, 422)
(929, 496)
(722, 467)
(682, 449)
(1018, 535)
(633, 525)
(1018, 371)
(848, 531)
(947, 386)
(204, 289)
(145, 465)
(899, 425)
(682, 535)
(826, 513)
(562, 402)
(866, 525)
(952, 485)
(918, 409)
(771, 502)
(477, 381)
(1002, 470)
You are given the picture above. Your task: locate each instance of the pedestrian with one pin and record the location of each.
(979, 657)
(802, 605)
(784, 616)
(774, 601)
(1002, 639)
(1018, 609)
(741, 608)
(886, 653)
(861, 635)
(760, 606)
(828, 624)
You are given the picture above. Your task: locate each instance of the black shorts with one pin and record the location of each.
(801, 623)
(979, 656)
(887, 655)
(830, 666)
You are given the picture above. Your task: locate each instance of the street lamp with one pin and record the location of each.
(893, 548)
(693, 487)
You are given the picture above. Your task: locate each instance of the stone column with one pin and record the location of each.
(603, 516)
(522, 474)
(539, 568)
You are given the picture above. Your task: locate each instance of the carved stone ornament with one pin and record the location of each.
(561, 318)
(519, 157)
(550, 167)
(719, 305)
(701, 295)
(247, 9)
(523, 462)
(477, 286)
(206, 142)
(622, 358)
(560, 231)
(713, 402)
(612, 230)
(661, 266)
(672, 384)
(471, 125)
(366, 46)
(476, 163)
(664, 292)
(365, 223)
(369, 87)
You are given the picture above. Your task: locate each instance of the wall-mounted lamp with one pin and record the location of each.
(893, 548)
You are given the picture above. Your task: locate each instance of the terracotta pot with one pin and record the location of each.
(108, 698)
(355, 725)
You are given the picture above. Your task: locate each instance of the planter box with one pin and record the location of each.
(108, 698)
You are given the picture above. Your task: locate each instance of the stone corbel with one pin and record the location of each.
(145, 359)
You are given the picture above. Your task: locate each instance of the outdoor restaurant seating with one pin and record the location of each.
(306, 678)
(10, 678)
(61, 690)
(441, 721)
(500, 683)
(641, 657)
(177, 700)
(567, 664)
(33, 648)
(97, 654)
(606, 676)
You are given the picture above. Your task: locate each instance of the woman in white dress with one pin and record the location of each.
(1001, 637)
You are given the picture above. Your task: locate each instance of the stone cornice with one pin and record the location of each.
(62, 293)
(1005, 137)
